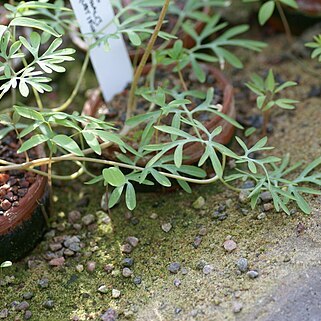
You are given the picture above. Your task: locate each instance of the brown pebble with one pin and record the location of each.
(126, 248)
(5, 204)
(55, 246)
(60, 261)
(108, 268)
(132, 240)
(229, 245)
(91, 266)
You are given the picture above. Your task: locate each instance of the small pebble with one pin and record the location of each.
(128, 262)
(242, 264)
(49, 304)
(252, 274)
(137, 280)
(200, 265)
(261, 216)
(103, 289)
(88, 219)
(174, 267)
(60, 261)
(108, 268)
(132, 240)
(74, 216)
(55, 247)
(115, 293)
(23, 306)
(237, 307)
(199, 203)
(4, 313)
(27, 315)
(79, 268)
(244, 196)
(177, 282)
(28, 295)
(127, 272)
(202, 231)
(207, 269)
(268, 207)
(109, 315)
(126, 248)
(229, 245)
(178, 310)
(197, 241)
(166, 227)
(91, 266)
(266, 197)
(43, 283)
(153, 216)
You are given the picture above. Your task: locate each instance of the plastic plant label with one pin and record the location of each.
(113, 67)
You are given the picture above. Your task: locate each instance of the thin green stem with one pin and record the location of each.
(74, 93)
(45, 161)
(139, 71)
(284, 21)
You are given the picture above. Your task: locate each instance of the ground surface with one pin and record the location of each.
(284, 250)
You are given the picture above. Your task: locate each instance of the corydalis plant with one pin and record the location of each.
(315, 45)
(74, 137)
(268, 95)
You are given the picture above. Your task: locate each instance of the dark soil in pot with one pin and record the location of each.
(22, 203)
(115, 111)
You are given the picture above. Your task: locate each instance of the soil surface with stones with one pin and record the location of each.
(204, 256)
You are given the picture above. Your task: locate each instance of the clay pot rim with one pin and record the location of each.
(27, 204)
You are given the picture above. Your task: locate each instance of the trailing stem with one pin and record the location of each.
(284, 21)
(149, 48)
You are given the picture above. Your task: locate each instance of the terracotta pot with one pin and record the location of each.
(310, 7)
(136, 54)
(22, 227)
(194, 150)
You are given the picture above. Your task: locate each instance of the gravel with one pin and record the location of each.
(115, 293)
(229, 245)
(199, 203)
(266, 197)
(49, 304)
(237, 307)
(174, 267)
(197, 241)
(4, 313)
(23, 306)
(132, 240)
(242, 264)
(252, 274)
(91, 266)
(127, 248)
(74, 216)
(137, 280)
(128, 262)
(28, 295)
(109, 315)
(60, 261)
(166, 227)
(127, 272)
(27, 315)
(207, 269)
(103, 289)
(43, 283)
(88, 219)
